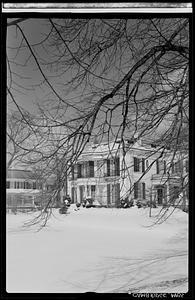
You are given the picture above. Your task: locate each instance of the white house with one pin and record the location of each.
(103, 173)
(21, 189)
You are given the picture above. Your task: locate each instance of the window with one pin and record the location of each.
(93, 188)
(40, 186)
(160, 167)
(113, 167)
(29, 185)
(85, 169)
(136, 163)
(19, 200)
(140, 190)
(21, 185)
(79, 171)
(177, 167)
(7, 184)
(29, 200)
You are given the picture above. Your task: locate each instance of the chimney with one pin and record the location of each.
(137, 139)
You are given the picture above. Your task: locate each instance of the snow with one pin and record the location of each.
(99, 250)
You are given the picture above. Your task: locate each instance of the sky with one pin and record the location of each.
(33, 29)
(28, 86)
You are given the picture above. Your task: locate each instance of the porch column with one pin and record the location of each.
(152, 196)
(78, 194)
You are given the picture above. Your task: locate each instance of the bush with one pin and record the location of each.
(126, 203)
(63, 210)
(88, 203)
(144, 204)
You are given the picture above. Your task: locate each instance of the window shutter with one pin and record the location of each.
(136, 190)
(143, 190)
(143, 165)
(157, 167)
(108, 167)
(165, 167)
(117, 166)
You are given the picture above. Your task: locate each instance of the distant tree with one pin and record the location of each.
(17, 136)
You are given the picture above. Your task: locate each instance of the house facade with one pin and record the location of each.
(104, 174)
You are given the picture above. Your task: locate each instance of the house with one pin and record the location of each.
(104, 174)
(21, 189)
(25, 189)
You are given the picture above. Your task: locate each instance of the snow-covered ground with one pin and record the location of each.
(98, 249)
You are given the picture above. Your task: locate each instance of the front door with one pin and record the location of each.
(160, 196)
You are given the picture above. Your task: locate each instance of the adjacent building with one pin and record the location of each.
(22, 189)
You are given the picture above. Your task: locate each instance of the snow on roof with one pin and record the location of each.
(106, 149)
(27, 174)
(19, 174)
(22, 191)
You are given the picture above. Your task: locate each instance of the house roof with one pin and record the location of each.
(27, 174)
(105, 149)
(22, 191)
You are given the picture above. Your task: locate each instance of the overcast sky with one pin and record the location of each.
(28, 83)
